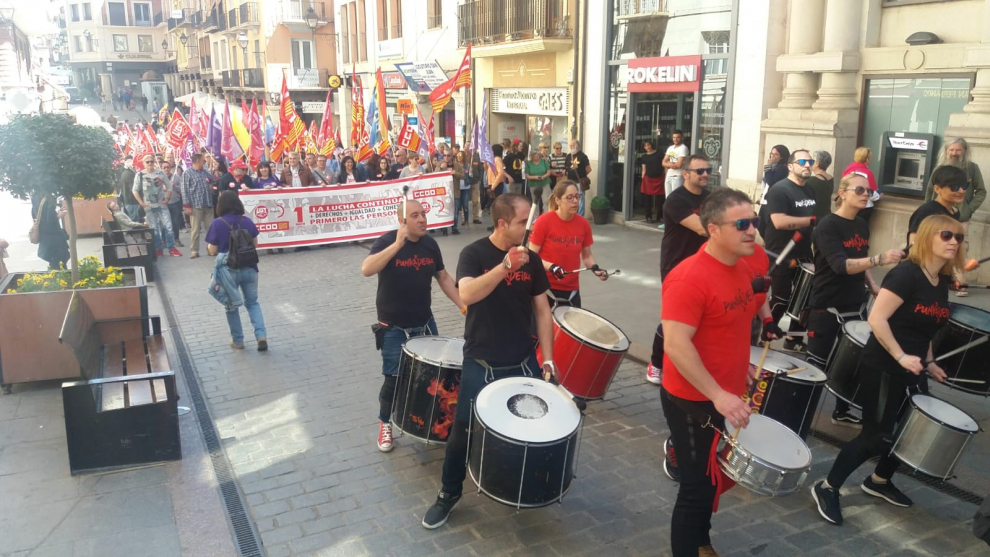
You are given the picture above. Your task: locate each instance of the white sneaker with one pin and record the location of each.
(653, 374)
(385, 437)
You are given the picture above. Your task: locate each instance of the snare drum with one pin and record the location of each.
(966, 324)
(427, 386)
(843, 366)
(523, 439)
(587, 350)
(766, 457)
(801, 292)
(932, 436)
(789, 399)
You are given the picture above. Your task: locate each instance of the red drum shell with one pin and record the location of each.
(585, 367)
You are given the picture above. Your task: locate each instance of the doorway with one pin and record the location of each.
(657, 115)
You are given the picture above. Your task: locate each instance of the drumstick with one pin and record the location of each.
(972, 264)
(529, 227)
(583, 269)
(962, 348)
(974, 381)
(795, 370)
(405, 197)
(797, 237)
(759, 370)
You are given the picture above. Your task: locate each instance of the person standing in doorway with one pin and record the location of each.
(578, 170)
(673, 160)
(652, 182)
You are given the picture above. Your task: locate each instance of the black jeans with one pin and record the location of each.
(657, 357)
(474, 376)
(564, 298)
(691, 519)
(178, 219)
(654, 201)
(824, 328)
(884, 393)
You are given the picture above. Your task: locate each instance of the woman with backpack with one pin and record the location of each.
(235, 238)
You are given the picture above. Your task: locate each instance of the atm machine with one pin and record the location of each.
(906, 162)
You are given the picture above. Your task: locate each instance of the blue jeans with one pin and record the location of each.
(463, 206)
(392, 344)
(160, 222)
(133, 211)
(581, 204)
(247, 280)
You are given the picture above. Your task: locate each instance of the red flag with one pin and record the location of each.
(382, 142)
(311, 138)
(291, 126)
(257, 141)
(440, 96)
(177, 130)
(426, 129)
(325, 136)
(143, 147)
(357, 110)
(245, 116)
(408, 137)
(153, 138)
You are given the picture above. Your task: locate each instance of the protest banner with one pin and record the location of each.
(291, 217)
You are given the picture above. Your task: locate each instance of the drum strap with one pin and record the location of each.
(843, 317)
(490, 371)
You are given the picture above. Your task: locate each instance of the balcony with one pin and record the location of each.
(210, 23)
(294, 14)
(312, 78)
(247, 15)
(252, 78)
(231, 19)
(635, 9)
(497, 27)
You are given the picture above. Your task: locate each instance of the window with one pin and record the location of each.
(142, 14)
(120, 43)
(87, 12)
(302, 54)
(257, 53)
(118, 15)
(434, 14)
(233, 56)
(145, 44)
(74, 8)
(77, 42)
(345, 38)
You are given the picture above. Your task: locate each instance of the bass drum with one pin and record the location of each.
(932, 436)
(968, 371)
(427, 387)
(587, 349)
(523, 442)
(843, 366)
(790, 399)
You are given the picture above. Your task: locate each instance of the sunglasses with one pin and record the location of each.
(947, 235)
(858, 190)
(700, 171)
(956, 187)
(743, 224)
(804, 162)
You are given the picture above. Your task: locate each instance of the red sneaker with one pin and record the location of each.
(385, 437)
(654, 374)
(175, 253)
(158, 253)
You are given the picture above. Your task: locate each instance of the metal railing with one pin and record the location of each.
(296, 10)
(640, 7)
(247, 14)
(495, 21)
(210, 22)
(232, 18)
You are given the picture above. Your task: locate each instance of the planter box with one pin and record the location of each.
(29, 331)
(88, 214)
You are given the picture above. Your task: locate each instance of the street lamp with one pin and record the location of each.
(183, 39)
(164, 44)
(312, 19)
(242, 40)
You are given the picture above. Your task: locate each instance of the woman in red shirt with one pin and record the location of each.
(563, 240)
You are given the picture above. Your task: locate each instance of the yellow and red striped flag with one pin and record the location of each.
(440, 96)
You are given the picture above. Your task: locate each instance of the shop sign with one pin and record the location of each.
(404, 106)
(422, 77)
(905, 143)
(552, 101)
(394, 80)
(668, 74)
(313, 107)
(391, 48)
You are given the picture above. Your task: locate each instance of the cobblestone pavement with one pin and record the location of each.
(299, 424)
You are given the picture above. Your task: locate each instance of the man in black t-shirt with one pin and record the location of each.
(791, 207)
(513, 165)
(406, 262)
(578, 169)
(949, 184)
(502, 287)
(401, 160)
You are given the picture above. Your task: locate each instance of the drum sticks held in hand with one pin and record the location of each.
(529, 227)
(759, 370)
(972, 264)
(405, 197)
(962, 348)
(595, 268)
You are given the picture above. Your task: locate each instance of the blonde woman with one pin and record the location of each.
(861, 161)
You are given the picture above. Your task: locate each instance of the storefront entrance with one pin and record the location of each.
(657, 116)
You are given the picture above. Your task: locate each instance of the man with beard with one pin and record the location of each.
(956, 153)
(578, 169)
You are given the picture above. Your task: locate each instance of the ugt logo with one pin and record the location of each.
(261, 212)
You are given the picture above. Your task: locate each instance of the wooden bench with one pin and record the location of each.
(129, 248)
(124, 412)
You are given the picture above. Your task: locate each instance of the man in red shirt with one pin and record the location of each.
(708, 306)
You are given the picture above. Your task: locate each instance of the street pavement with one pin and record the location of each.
(299, 423)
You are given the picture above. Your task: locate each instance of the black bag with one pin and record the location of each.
(379, 329)
(241, 253)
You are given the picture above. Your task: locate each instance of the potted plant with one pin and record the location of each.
(36, 304)
(600, 209)
(49, 155)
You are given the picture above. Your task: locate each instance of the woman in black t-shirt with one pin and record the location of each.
(841, 246)
(912, 305)
(950, 185)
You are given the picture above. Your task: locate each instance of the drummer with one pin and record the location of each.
(707, 307)
(503, 287)
(563, 239)
(841, 244)
(912, 305)
(406, 262)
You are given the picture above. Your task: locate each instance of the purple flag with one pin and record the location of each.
(473, 146)
(188, 150)
(485, 148)
(214, 134)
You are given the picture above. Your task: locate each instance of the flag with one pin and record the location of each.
(257, 151)
(426, 132)
(204, 122)
(245, 115)
(213, 133)
(311, 138)
(357, 110)
(473, 142)
(194, 126)
(325, 136)
(485, 148)
(188, 150)
(177, 131)
(242, 133)
(291, 126)
(143, 148)
(382, 144)
(152, 138)
(229, 146)
(338, 141)
(162, 115)
(440, 96)
(408, 137)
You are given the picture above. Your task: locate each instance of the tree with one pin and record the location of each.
(49, 154)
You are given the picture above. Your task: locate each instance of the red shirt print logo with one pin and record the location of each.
(740, 300)
(517, 276)
(564, 240)
(414, 261)
(857, 242)
(935, 310)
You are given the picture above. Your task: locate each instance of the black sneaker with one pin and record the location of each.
(455, 232)
(436, 516)
(670, 461)
(445, 232)
(794, 344)
(887, 492)
(476, 221)
(827, 499)
(847, 419)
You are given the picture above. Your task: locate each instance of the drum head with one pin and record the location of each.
(859, 331)
(439, 351)
(771, 442)
(945, 413)
(968, 316)
(527, 410)
(808, 268)
(590, 328)
(778, 362)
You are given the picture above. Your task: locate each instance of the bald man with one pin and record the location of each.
(406, 262)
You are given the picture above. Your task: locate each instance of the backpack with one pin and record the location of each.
(241, 253)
